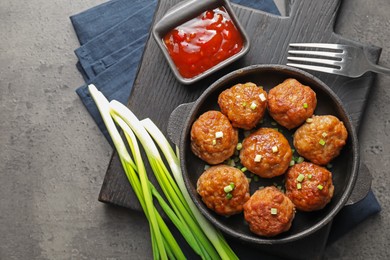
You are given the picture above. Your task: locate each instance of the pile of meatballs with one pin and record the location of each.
(266, 153)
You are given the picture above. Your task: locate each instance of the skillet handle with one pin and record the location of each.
(177, 120)
(362, 186)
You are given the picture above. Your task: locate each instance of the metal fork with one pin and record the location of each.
(338, 59)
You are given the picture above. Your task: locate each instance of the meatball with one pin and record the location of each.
(243, 104)
(291, 103)
(266, 152)
(213, 138)
(309, 186)
(269, 212)
(320, 139)
(224, 189)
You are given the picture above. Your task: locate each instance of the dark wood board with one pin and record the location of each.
(156, 92)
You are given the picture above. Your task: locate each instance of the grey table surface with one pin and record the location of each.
(53, 157)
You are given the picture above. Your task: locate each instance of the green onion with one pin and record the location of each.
(305, 105)
(300, 177)
(274, 149)
(253, 106)
(229, 196)
(292, 163)
(300, 159)
(239, 146)
(320, 187)
(257, 158)
(309, 120)
(299, 186)
(229, 188)
(309, 176)
(322, 142)
(256, 178)
(219, 134)
(244, 104)
(244, 169)
(262, 97)
(139, 182)
(274, 211)
(204, 239)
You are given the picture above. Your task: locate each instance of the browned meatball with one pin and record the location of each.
(213, 138)
(291, 103)
(320, 139)
(224, 189)
(309, 186)
(243, 104)
(269, 212)
(266, 152)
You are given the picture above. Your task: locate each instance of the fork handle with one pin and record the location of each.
(380, 69)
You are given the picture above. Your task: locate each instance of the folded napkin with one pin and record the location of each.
(112, 38)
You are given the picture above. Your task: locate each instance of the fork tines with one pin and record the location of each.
(316, 56)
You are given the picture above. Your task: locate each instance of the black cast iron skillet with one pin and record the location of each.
(345, 166)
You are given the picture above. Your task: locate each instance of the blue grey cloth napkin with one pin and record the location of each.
(112, 38)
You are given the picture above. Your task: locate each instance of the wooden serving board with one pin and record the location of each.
(156, 92)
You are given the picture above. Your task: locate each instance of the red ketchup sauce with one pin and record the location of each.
(201, 43)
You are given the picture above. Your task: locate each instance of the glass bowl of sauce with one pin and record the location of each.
(198, 38)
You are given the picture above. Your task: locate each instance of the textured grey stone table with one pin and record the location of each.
(53, 157)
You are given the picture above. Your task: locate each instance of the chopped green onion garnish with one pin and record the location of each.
(253, 106)
(309, 176)
(239, 146)
(324, 134)
(228, 188)
(292, 162)
(299, 186)
(257, 158)
(320, 187)
(244, 104)
(206, 167)
(214, 142)
(256, 178)
(219, 134)
(309, 120)
(262, 97)
(229, 196)
(300, 177)
(249, 180)
(300, 159)
(322, 142)
(274, 149)
(244, 169)
(305, 105)
(274, 211)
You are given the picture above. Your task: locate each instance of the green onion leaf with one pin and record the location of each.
(300, 177)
